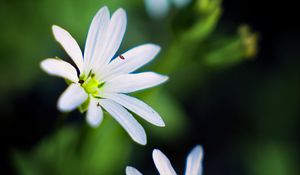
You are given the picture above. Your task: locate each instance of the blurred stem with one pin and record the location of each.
(83, 136)
(206, 6)
(203, 27)
(230, 52)
(185, 45)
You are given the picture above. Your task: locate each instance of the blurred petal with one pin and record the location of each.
(157, 8)
(194, 161)
(162, 163)
(137, 106)
(132, 171)
(113, 39)
(69, 44)
(181, 3)
(94, 42)
(126, 120)
(133, 82)
(59, 68)
(131, 60)
(73, 96)
(94, 114)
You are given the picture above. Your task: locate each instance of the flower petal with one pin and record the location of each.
(59, 68)
(94, 114)
(162, 163)
(137, 106)
(131, 60)
(73, 96)
(132, 171)
(69, 44)
(96, 35)
(194, 161)
(113, 39)
(157, 8)
(126, 120)
(181, 3)
(133, 82)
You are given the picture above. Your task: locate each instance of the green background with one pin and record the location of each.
(234, 88)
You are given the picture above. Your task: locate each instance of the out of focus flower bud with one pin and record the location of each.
(233, 50)
(249, 40)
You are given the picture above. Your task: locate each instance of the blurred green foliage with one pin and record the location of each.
(26, 33)
(78, 151)
(104, 150)
(271, 158)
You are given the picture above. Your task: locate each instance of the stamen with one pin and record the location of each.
(89, 74)
(100, 85)
(123, 58)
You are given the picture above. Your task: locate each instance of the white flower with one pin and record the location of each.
(160, 8)
(164, 167)
(102, 82)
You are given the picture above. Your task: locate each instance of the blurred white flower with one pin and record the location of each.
(164, 167)
(160, 8)
(102, 82)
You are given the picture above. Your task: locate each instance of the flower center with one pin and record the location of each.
(91, 85)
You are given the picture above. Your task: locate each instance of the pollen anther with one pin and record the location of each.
(81, 81)
(123, 58)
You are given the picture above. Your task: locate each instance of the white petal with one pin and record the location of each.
(131, 60)
(132, 171)
(162, 163)
(59, 68)
(126, 120)
(94, 42)
(194, 161)
(181, 3)
(113, 39)
(94, 114)
(73, 96)
(137, 106)
(133, 82)
(157, 8)
(69, 44)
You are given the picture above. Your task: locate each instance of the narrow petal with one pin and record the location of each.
(113, 39)
(162, 163)
(94, 42)
(94, 114)
(59, 68)
(126, 120)
(132, 171)
(137, 106)
(73, 96)
(69, 44)
(133, 82)
(131, 60)
(194, 161)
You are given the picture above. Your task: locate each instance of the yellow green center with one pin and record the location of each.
(91, 85)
